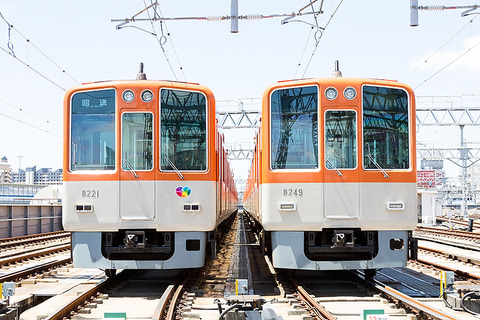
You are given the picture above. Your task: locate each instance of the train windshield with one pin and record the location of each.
(183, 130)
(385, 128)
(294, 128)
(92, 136)
(340, 139)
(137, 141)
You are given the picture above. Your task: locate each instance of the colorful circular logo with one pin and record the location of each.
(183, 191)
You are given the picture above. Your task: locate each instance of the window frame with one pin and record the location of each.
(207, 131)
(152, 140)
(270, 133)
(409, 135)
(325, 138)
(70, 136)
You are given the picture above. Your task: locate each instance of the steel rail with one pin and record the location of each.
(458, 221)
(10, 242)
(416, 305)
(456, 233)
(22, 250)
(163, 303)
(173, 303)
(35, 254)
(66, 310)
(457, 271)
(454, 256)
(32, 270)
(406, 300)
(166, 307)
(313, 305)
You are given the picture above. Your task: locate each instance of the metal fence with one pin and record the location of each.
(18, 220)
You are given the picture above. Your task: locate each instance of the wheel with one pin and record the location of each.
(110, 272)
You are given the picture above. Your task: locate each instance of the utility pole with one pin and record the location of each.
(414, 7)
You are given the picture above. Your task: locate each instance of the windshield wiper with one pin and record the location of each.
(333, 167)
(385, 174)
(180, 175)
(129, 167)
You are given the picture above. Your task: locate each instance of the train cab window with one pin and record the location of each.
(294, 128)
(137, 141)
(340, 139)
(385, 128)
(183, 130)
(92, 130)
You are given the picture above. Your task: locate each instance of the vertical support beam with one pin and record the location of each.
(413, 13)
(464, 158)
(26, 214)
(10, 222)
(52, 219)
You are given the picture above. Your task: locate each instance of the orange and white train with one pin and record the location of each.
(333, 177)
(147, 181)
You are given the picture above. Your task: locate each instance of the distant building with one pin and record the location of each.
(43, 176)
(5, 171)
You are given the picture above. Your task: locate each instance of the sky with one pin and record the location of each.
(72, 42)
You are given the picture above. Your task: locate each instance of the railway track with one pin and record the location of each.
(463, 223)
(104, 293)
(32, 239)
(15, 250)
(464, 235)
(23, 257)
(211, 292)
(463, 263)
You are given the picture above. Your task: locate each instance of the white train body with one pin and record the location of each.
(147, 182)
(333, 179)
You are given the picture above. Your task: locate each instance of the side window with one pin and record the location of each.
(385, 128)
(137, 147)
(92, 136)
(294, 128)
(183, 130)
(340, 139)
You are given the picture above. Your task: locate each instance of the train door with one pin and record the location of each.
(137, 177)
(341, 189)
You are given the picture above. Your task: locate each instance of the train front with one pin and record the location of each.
(338, 180)
(139, 174)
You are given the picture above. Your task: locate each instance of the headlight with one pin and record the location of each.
(331, 93)
(349, 93)
(128, 95)
(147, 95)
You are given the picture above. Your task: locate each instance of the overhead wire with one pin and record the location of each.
(173, 47)
(438, 50)
(30, 125)
(33, 69)
(11, 27)
(303, 53)
(449, 64)
(31, 114)
(162, 39)
(317, 40)
(11, 52)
